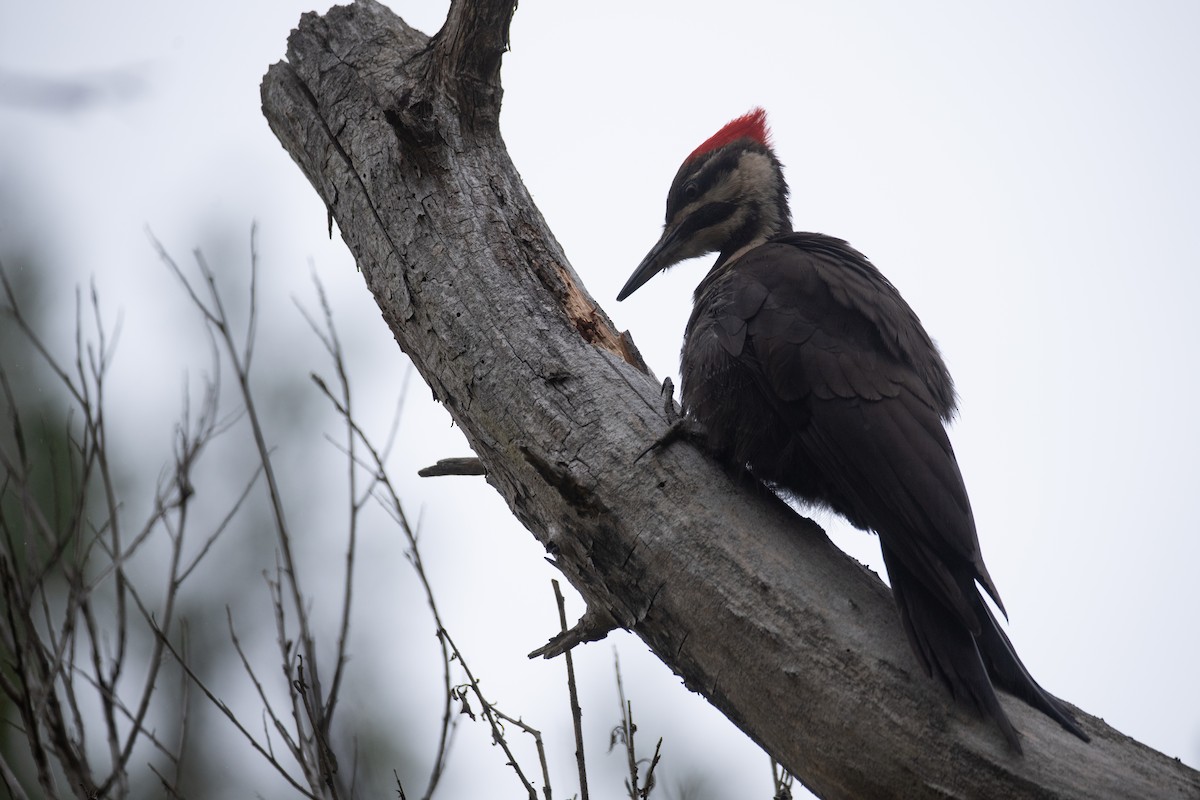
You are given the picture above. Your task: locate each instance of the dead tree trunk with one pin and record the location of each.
(748, 602)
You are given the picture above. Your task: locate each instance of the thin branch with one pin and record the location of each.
(334, 347)
(537, 740)
(325, 758)
(286, 646)
(252, 320)
(389, 500)
(491, 714)
(651, 782)
(128, 715)
(782, 780)
(229, 715)
(625, 733)
(13, 310)
(221, 527)
(185, 697)
(576, 711)
(168, 786)
(15, 792)
(288, 574)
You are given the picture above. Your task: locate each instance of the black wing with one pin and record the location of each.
(835, 346)
(817, 340)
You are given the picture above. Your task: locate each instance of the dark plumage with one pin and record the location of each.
(803, 362)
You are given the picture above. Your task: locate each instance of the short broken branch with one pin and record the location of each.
(454, 466)
(594, 625)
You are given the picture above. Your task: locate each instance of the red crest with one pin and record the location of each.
(748, 126)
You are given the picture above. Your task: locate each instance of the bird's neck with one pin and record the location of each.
(764, 212)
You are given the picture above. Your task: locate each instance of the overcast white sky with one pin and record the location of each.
(1026, 173)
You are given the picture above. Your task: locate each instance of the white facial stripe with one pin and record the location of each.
(752, 182)
(710, 239)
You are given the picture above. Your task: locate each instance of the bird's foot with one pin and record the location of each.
(681, 427)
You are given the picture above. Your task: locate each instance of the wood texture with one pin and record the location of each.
(747, 601)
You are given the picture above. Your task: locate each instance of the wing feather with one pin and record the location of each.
(845, 362)
(804, 363)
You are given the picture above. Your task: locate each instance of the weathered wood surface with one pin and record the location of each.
(747, 601)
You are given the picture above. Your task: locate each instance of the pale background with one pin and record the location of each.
(1027, 176)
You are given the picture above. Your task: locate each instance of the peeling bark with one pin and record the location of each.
(747, 601)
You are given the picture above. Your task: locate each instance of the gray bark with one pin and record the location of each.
(747, 601)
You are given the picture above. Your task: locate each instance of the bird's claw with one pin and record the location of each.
(681, 427)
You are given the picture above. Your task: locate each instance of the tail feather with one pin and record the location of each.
(968, 665)
(1010, 674)
(945, 648)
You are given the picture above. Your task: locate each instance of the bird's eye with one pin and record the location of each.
(690, 192)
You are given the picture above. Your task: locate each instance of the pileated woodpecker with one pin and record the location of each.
(802, 362)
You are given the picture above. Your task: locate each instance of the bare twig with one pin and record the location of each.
(312, 709)
(185, 697)
(782, 780)
(11, 784)
(493, 717)
(576, 711)
(334, 347)
(650, 781)
(624, 733)
(229, 715)
(538, 744)
(67, 587)
(385, 494)
(58, 650)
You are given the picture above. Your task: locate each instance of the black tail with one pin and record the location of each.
(969, 663)
(1010, 674)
